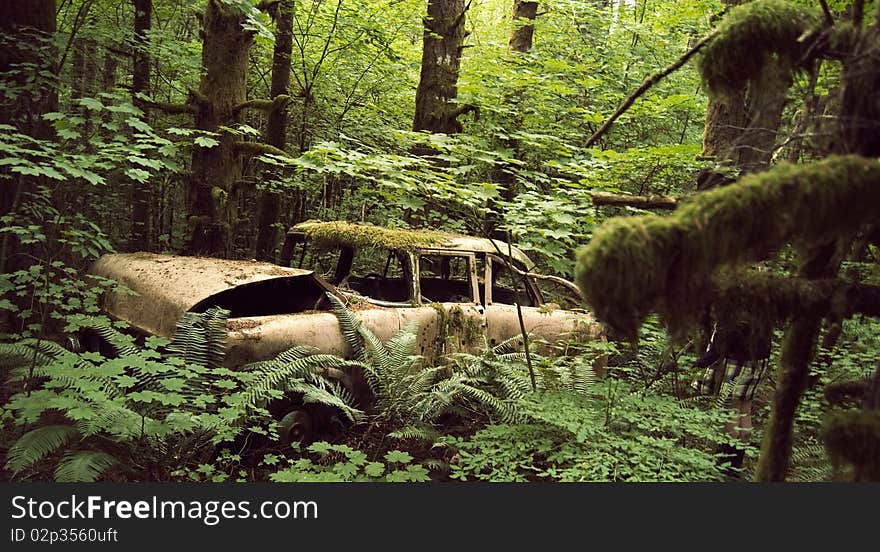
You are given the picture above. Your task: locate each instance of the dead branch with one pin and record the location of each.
(649, 82)
(640, 202)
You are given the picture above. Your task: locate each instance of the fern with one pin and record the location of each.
(200, 338)
(298, 370)
(414, 397)
(83, 466)
(35, 445)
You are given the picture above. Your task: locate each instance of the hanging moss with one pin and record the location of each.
(853, 437)
(638, 265)
(336, 233)
(748, 37)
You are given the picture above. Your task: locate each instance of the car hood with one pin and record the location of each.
(167, 286)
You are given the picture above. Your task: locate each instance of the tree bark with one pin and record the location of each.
(524, 13)
(211, 205)
(276, 129)
(798, 347)
(741, 130)
(443, 41)
(141, 198)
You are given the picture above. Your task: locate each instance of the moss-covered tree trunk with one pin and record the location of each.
(859, 134)
(141, 197)
(211, 207)
(443, 40)
(741, 129)
(276, 129)
(793, 373)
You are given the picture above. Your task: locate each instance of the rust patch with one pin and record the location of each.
(237, 324)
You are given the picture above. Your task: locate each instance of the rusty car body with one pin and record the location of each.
(455, 289)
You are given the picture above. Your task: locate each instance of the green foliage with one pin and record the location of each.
(337, 463)
(144, 406)
(408, 395)
(614, 435)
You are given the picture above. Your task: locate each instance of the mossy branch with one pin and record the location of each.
(769, 299)
(172, 108)
(637, 265)
(749, 36)
(277, 102)
(259, 148)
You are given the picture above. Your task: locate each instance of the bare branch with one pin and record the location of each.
(649, 82)
(829, 20)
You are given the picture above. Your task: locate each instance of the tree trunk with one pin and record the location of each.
(741, 130)
(211, 207)
(26, 37)
(443, 40)
(141, 198)
(524, 13)
(276, 130)
(521, 36)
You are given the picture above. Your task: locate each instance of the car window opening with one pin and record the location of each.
(374, 273)
(507, 288)
(269, 297)
(445, 279)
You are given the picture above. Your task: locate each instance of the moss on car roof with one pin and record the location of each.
(348, 234)
(336, 233)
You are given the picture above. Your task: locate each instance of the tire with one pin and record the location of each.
(296, 426)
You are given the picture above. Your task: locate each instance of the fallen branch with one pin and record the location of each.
(637, 201)
(649, 82)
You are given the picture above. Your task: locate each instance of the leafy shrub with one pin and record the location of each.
(148, 405)
(615, 435)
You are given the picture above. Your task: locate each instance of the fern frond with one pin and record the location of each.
(122, 343)
(83, 466)
(13, 355)
(350, 327)
(37, 444)
(314, 394)
(509, 345)
(416, 433)
(113, 418)
(274, 375)
(200, 338)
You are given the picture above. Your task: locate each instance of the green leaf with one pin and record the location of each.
(138, 175)
(206, 142)
(396, 456)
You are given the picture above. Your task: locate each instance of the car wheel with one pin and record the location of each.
(295, 427)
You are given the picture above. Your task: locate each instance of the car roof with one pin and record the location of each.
(167, 286)
(347, 234)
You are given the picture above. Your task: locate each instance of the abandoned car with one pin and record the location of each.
(461, 293)
(456, 289)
